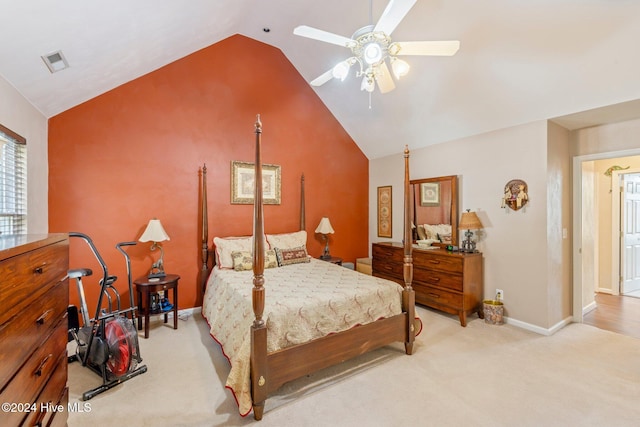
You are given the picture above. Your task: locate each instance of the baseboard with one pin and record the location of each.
(604, 291)
(185, 313)
(589, 308)
(537, 329)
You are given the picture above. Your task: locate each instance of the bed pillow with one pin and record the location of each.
(226, 245)
(243, 260)
(421, 233)
(433, 230)
(292, 255)
(287, 240)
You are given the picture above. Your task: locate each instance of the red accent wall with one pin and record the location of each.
(135, 153)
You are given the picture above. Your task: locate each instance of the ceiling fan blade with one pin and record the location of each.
(384, 80)
(324, 36)
(322, 79)
(435, 48)
(393, 14)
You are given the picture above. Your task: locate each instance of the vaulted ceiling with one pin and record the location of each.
(518, 61)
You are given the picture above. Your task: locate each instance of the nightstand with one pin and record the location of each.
(145, 289)
(334, 260)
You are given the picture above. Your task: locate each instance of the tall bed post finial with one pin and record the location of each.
(204, 242)
(258, 231)
(259, 375)
(302, 204)
(408, 294)
(408, 238)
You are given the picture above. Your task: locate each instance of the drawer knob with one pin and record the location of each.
(39, 270)
(434, 295)
(43, 317)
(434, 261)
(38, 372)
(434, 279)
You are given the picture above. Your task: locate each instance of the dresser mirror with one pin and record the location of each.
(435, 210)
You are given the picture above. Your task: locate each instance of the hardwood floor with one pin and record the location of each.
(615, 313)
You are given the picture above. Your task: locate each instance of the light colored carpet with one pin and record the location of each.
(481, 375)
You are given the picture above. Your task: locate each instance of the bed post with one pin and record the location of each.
(302, 203)
(408, 295)
(258, 329)
(204, 242)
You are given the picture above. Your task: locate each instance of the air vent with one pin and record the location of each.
(55, 61)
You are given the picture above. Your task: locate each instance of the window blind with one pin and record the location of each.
(13, 183)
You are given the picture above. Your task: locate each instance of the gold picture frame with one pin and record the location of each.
(242, 177)
(385, 223)
(430, 194)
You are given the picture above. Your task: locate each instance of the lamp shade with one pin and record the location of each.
(470, 221)
(325, 226)
(154, 232)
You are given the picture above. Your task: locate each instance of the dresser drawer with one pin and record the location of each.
(29, 275)
(438, 278)
(439, 262)
(428, 295)
(382, 266)
(51, 403)
(388, 253)
(34, 374)
(26, 331)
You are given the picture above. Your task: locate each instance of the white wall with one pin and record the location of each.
(559, 285)
(514, 243)
(17, 114)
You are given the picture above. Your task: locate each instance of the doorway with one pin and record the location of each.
(588, 255)
(626, 208)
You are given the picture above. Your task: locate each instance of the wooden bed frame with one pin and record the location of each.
(269, 371)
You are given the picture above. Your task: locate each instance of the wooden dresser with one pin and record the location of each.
(34, 296)
(448, 281)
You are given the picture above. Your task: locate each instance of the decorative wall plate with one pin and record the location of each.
(515, 194)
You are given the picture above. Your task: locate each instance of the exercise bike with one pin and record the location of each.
(108, 343)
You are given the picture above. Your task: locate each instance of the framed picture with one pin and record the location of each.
(384, 212)
(242, 174)
(430, 194)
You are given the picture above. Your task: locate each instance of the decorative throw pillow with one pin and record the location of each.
(287, 240)
(243, 260)
(270, 259)
(224, 247)
(292, 255)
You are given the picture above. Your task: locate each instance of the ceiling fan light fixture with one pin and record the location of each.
(372, 48)
(372, 53)
(341, 69)
(368, 83)
(399, 67)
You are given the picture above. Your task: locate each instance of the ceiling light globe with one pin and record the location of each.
(341, 70)
(368, 84)
(372, 53)
(400, 68)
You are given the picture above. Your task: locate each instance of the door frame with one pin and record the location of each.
(616, 238)
(577, 222)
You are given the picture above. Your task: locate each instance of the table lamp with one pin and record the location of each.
(470, 221)
(155, 233)
(325, 228)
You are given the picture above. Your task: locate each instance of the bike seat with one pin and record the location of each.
(80, 272)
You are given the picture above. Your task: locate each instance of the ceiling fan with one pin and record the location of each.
(372, 48)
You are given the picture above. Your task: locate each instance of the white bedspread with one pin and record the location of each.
(302, 302)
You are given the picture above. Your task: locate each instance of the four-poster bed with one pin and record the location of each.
(317, 314)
